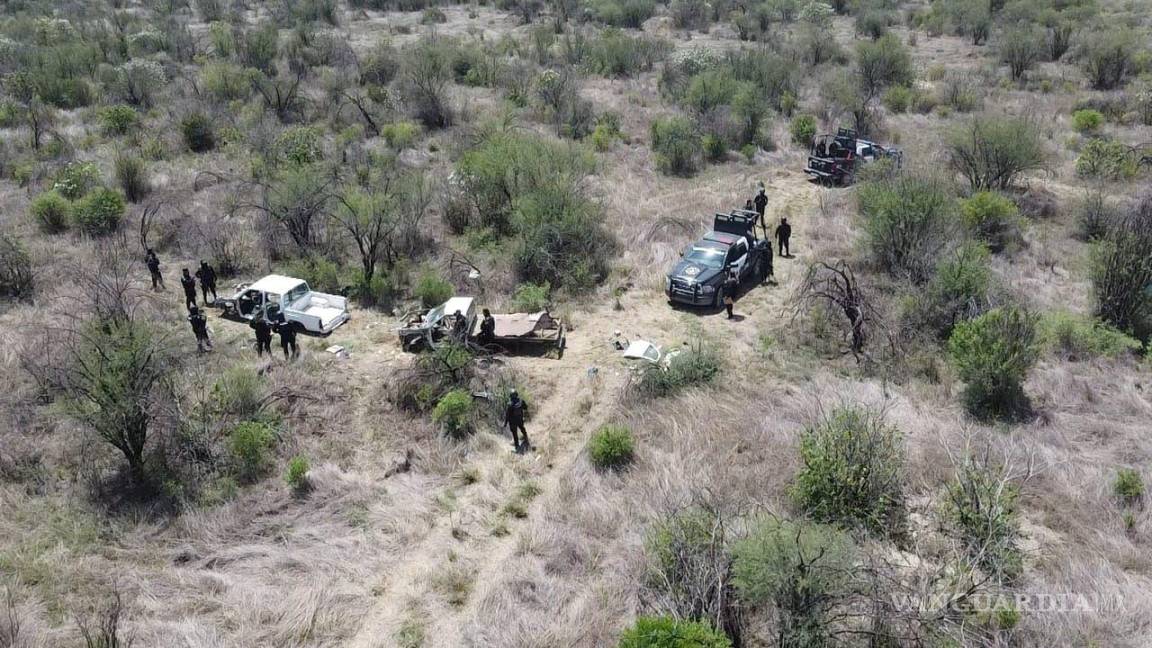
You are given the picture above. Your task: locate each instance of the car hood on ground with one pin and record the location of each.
(692, 271)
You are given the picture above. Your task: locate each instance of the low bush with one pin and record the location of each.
(676, 145)
(994, 353)
(803, 130)
(240, 392)
(909, 223)
(100, 212)
(297, 474)
(251, 444)
(198, 132)
(1128, 486)
(1087, 121)
(1121, 272)
(688, 554)
(118, 120)
(76, 179)
(531, 298)
(1020, 49)
(980, 507)
(991, 152)
(801, 569)
(1094, 217)
(689, 14)
(52, 212)
(624, 13)
(668, 632)
(992, 218)
(454, 413)
(692, 367)
(959, 290)
(132, 176)
(1079, 337)
(226, 82)
(617, 54)
(400, 135)
(432, 289)
(300, 145)
(1108, 58)
(16, 279)
(1108, 160)
(611, 447)
(853, 472)
(898, 99)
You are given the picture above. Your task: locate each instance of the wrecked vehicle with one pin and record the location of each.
(276, 296)
(836, 159)
(513, 330)
(431, 327)
(698, 278)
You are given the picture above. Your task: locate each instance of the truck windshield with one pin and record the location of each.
(708, 257)
(295, 294)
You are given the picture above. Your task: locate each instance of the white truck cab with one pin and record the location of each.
(276, 295)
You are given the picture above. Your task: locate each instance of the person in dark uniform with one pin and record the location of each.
(199, 329)
(287, 332)
(207, 276)
(760, 203)
(459, 327)
(263, 329)
(487, 328)
(189, 285)
(153, 263)
(514, 417)
(783, 233)
(731, 285)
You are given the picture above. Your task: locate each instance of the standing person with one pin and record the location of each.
(200, 329)
(459, 327)
(514, 417)
(487, 328)
(761, 203)
(731, 285)
(748, 206)
(783, 233)
(189, 285)
(207, 276)
(153, 263)
(263, 329)
(287, 331)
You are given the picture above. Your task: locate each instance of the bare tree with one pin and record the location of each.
(105, 631)
(836, 286)
(298, 198)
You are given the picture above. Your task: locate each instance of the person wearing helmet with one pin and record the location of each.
(207, 276)
(189, 286)
(514, 417)
(200, 329)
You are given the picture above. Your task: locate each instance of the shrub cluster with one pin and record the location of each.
(611, 447)
(668, 632)
(981, 508)
(454, 413)
(994, 353)
(1121, 272)
(991, 152)
(694, 367)
(251, 443)
(909, 223)
(16, 279)
(1107, 159)
(959, 290)
(1078, 337)
(992, 218)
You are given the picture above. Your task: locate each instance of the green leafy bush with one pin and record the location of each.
(453, 412)
(1087, 121)
(1108, 58)
(980, 507)
(1079, 337)
(853, 472)
(1128, 486)
(52, 212)
(667, 632)
(199, 135)
(297, 474)
(676, 145)
(909, 223)
(994, 353)
(100, 212)
(16, 279)
(251, 444)
(299, 145)
(611, 447)
(616, 54)
(898, 99)
(1107, 159)
(693, 367)
(118, 120)
(225, 81)
(531, 298)
(1020, 49)
(803, 130)
(132, 176)
(800, 568)
(959, 290)
(432, 289)
(76, 179)
(625, 13)
(400, 135)
(992, 218)
(240, 392)
(991, 152)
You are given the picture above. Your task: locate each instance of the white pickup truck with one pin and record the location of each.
(276, 295)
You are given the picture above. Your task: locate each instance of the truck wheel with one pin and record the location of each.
(718, 303)
(762, 270)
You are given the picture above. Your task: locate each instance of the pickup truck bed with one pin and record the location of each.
(329, 311)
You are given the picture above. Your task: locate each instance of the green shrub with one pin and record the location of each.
(667, 632)
(100, 212)
(611, 447)
(240, 392)
(980, 507)
(453, 413)
(299, 145)
(432, 289)
(198, 133)
(994, 353)
(991, 152)
(803, 130)
(853, 472)
(400, 135)
(959, 290)
(1128, 486)
(898, 99)
(604, 136)
(616, 54)
(118, 120)
(225, 81)
(251, 444)
(625, 13)
(531, 298)
(76, 179)
(1094, 216)
(909, 222)
(1108, 58)
(688, 553)
(132, 176)
(992, 218)
(52, 212)
(715, 148)
(802, 569)
(676, 145)
(1107, 159)
(693, 367)
(883, 63)
(16, 279)
(297, 474)
(1087, 121)
(1020, 49)
(433, 16)
(1121, 272)
(1079, 337)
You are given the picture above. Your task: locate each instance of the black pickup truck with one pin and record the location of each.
(698, 278)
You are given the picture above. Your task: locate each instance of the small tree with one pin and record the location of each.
(132, 176)
(1020, 49)
(910, 222)
(991, 152)
(883, 63)
(198, 132)
(100, 212)
(298, 198)
(676, 146)
(992, 218)
(1122, 272)
(16, 279)
(454, 413)
(981, 509)
(1108, 58)
(853, 472)
(994, 353)
(960, 290)
(139, 81)
(425, 76)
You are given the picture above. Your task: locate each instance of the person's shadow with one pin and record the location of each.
(737, 317)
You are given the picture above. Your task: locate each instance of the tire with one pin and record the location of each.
(718, 301)
(762, 270)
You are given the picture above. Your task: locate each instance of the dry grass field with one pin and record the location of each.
(501, 149)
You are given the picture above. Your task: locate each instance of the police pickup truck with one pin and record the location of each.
(698, 278)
